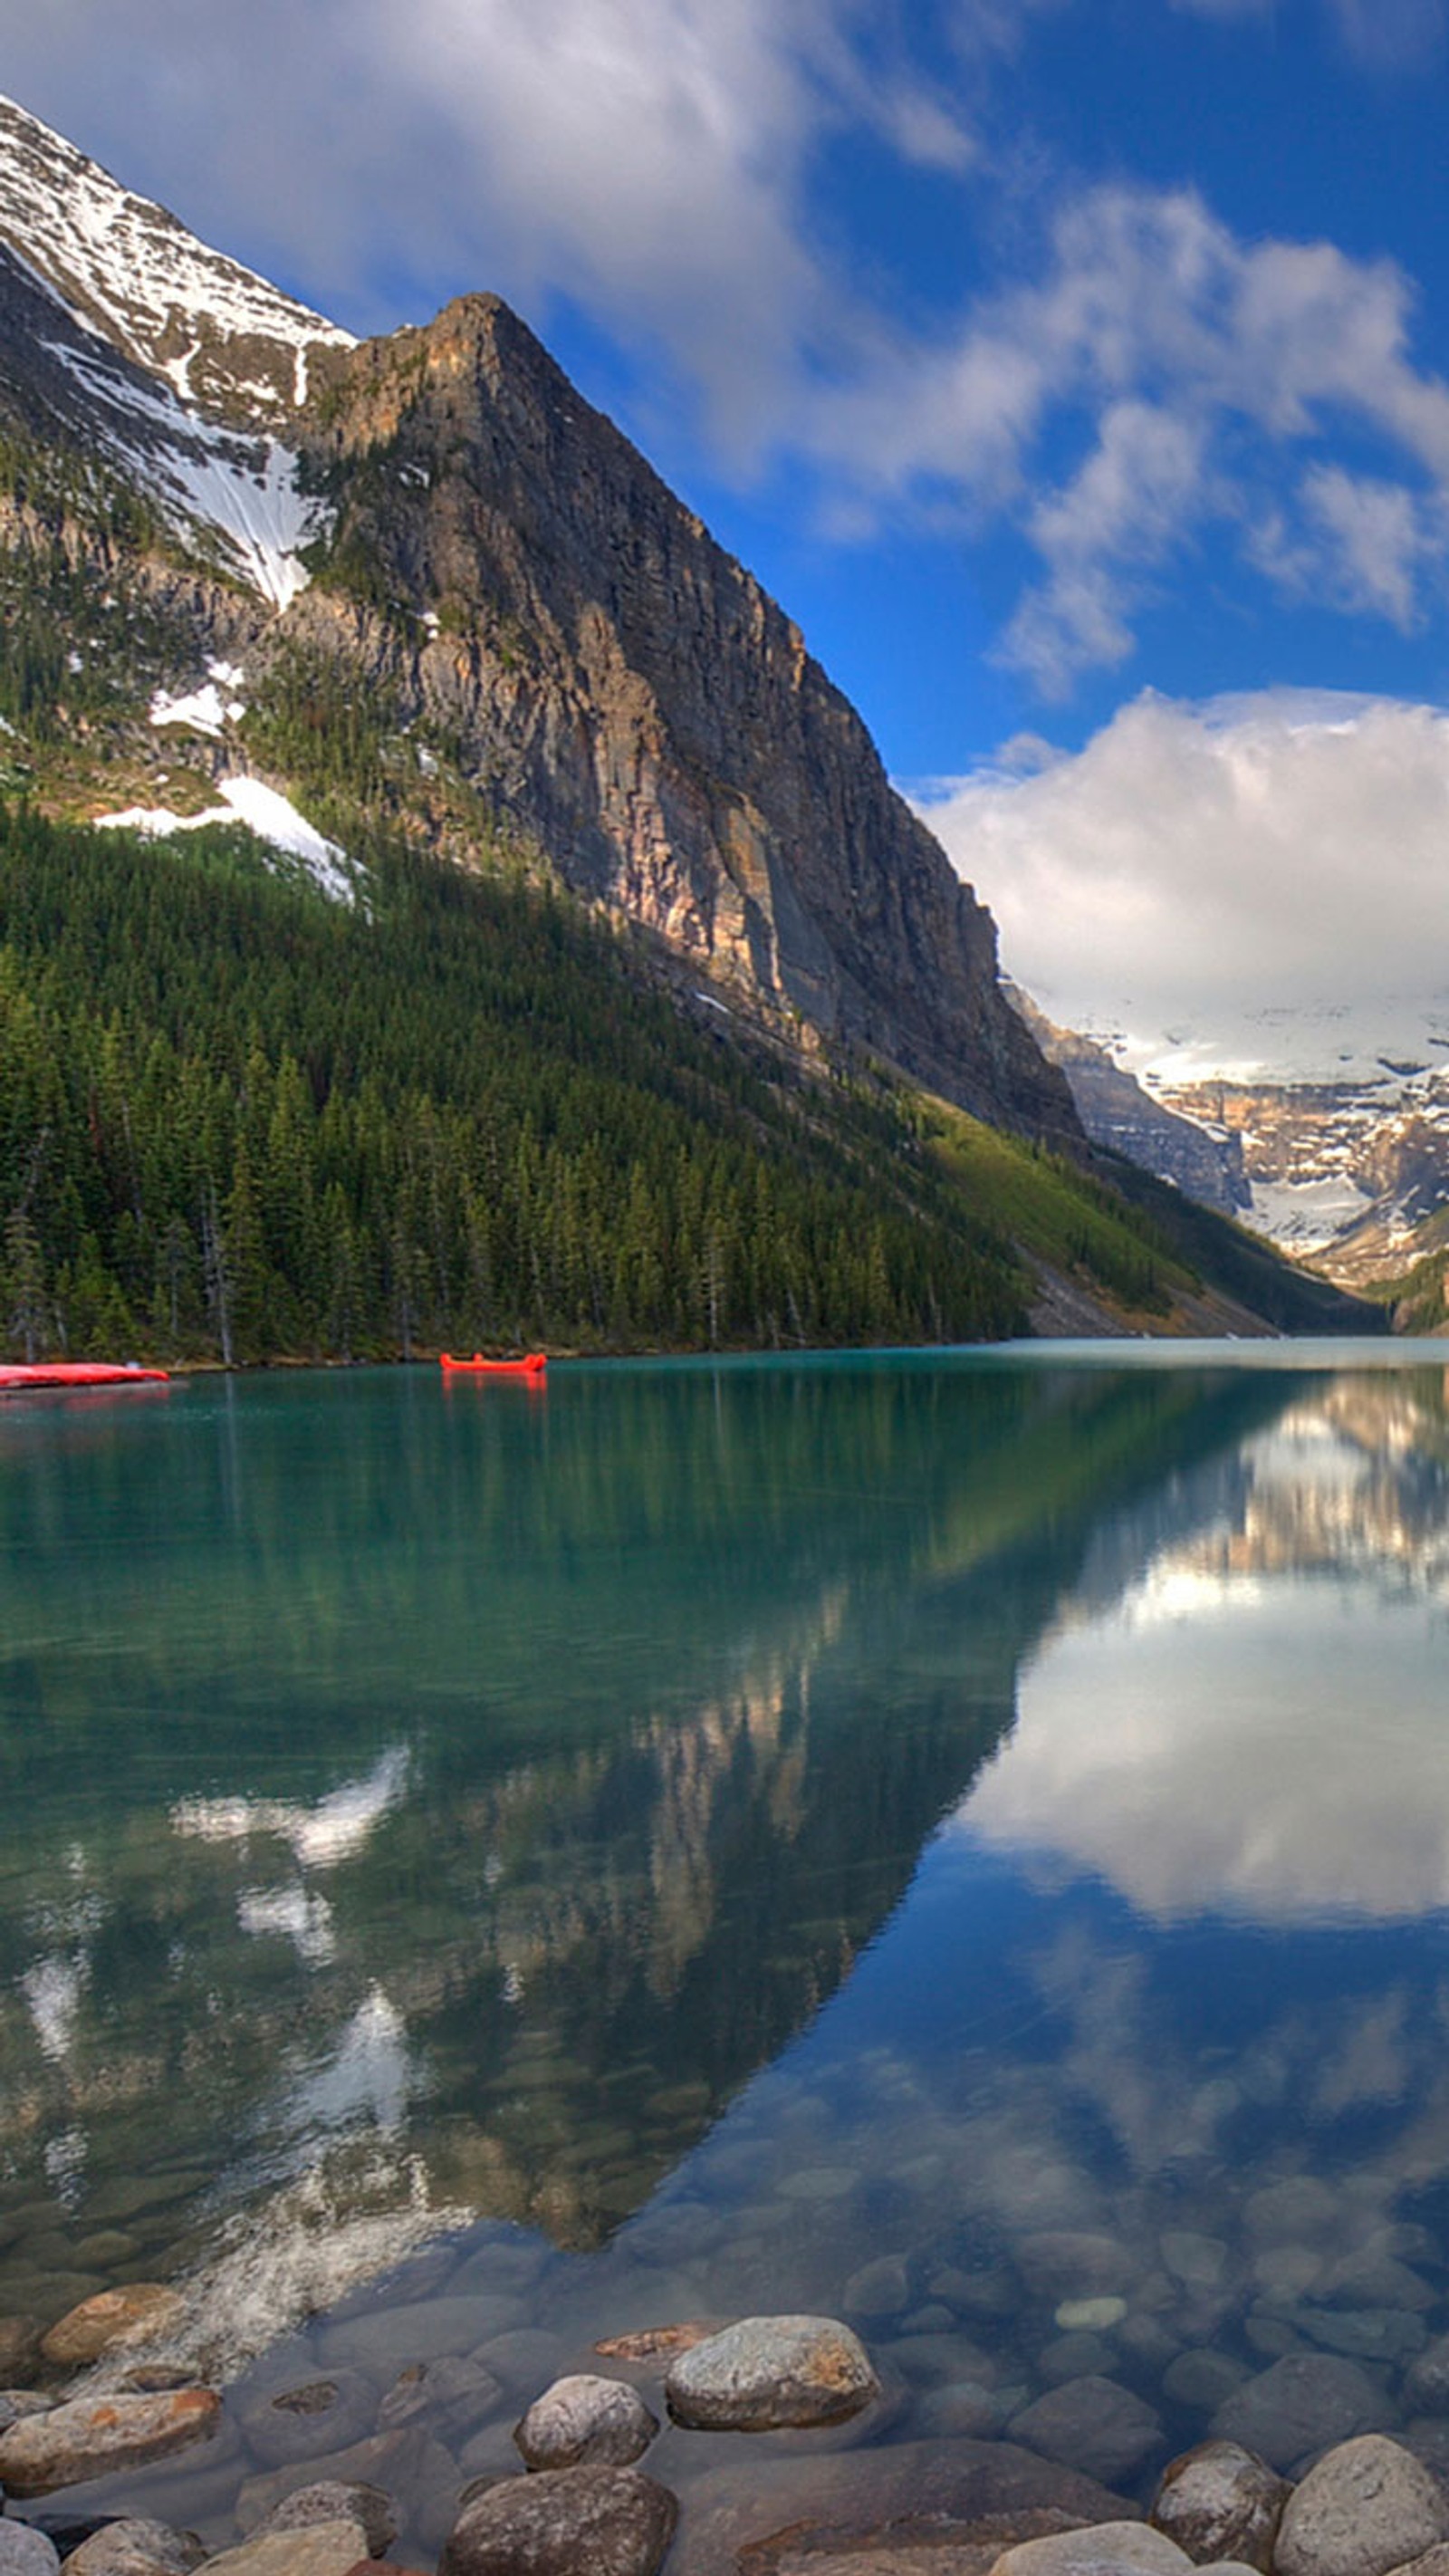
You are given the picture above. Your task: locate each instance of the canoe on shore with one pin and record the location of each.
(26, 1376)
(532, 1366)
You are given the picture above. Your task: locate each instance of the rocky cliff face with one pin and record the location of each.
(625, 694)
(505, 581)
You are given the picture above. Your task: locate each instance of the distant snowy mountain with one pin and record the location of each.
(118, 329)
(1333, 1119)
(232, 348)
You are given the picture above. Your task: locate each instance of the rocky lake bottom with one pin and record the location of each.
(960, 1849)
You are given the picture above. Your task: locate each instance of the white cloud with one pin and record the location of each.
(1146, 381)
(645, 158)
(1195, 868)
(1187, 373)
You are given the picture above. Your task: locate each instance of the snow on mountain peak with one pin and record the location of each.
(229, 344)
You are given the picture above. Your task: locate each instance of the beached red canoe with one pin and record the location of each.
(25, 1376)
(533, 1366)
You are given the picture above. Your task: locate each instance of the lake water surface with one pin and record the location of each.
(960, 1842)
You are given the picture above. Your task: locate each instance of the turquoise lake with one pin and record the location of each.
(959, 1842)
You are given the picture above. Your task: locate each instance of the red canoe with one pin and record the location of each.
(48, 1373)
(533, 1366)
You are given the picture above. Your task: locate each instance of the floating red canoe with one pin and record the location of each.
(23, 1377)
(533, 1366)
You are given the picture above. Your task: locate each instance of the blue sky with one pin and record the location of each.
(1035, 353)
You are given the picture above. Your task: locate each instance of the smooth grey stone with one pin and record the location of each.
(1197, 2261)
(562, 2522)
(1366, 2507)
(321, 2549)
(1373, 2280)
(525, 2359)
(24, 2552)
(990, 2292)
(769, 2371)
(1146, 2339)
(19, 2349)
(1272, 2336)
(337, 2500)
(1304, 2403)
(584, 2420)
(928, 2361)
(962, 2407)
(1074, 2263)
(1074, 2356)
(457, 2391)
(878, 2289)
(933, 2319)
(1367, 2334)
(309, 2420)
(1221, 2501)
(1093, 2424)
(1426, 2381)
(1203, 2378)
(1101, 2549)
(137, 2548)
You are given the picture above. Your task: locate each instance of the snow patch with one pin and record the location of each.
(244, 489)
(202, 710)
(93, 244)
(1303, 1216)
(265, 812)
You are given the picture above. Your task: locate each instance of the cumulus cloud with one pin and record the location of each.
(1144, 381)
(1196, 872)
(1258, 357)
(645, 158)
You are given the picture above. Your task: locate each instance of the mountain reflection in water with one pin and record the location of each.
(807, 1814)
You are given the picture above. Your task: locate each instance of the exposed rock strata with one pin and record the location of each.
(628, 696)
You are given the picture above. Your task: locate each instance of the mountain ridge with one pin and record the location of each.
(450, 605)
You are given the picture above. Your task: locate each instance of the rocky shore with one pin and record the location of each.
(852, 2502)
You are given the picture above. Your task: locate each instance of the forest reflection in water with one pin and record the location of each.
(744, 1827)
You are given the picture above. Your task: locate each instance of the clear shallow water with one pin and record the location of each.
(488, 1861)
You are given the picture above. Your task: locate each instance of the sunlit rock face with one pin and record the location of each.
(625, 694)
(1210, 1730)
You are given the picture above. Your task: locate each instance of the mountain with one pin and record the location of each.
(1325, 1131)
(1119, 1113)
(420, 588)
(512, 576)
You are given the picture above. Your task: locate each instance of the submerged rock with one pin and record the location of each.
(137, 2548)
(451, 2388)
(90, 2437)
(112, 2319)
(338, 2500)
(1366, 2507)
(1074, 2263)
(304, 2423)
(1220, 2501)
(771, 2371)
(1092, 2424)
(880, 2288)
(1426, 2382)
(651, 2343)
(326, 2549)
(1099, 2550)
(19, 2350)
(1304, 2403)
(582, 2419)
(561, 2522)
